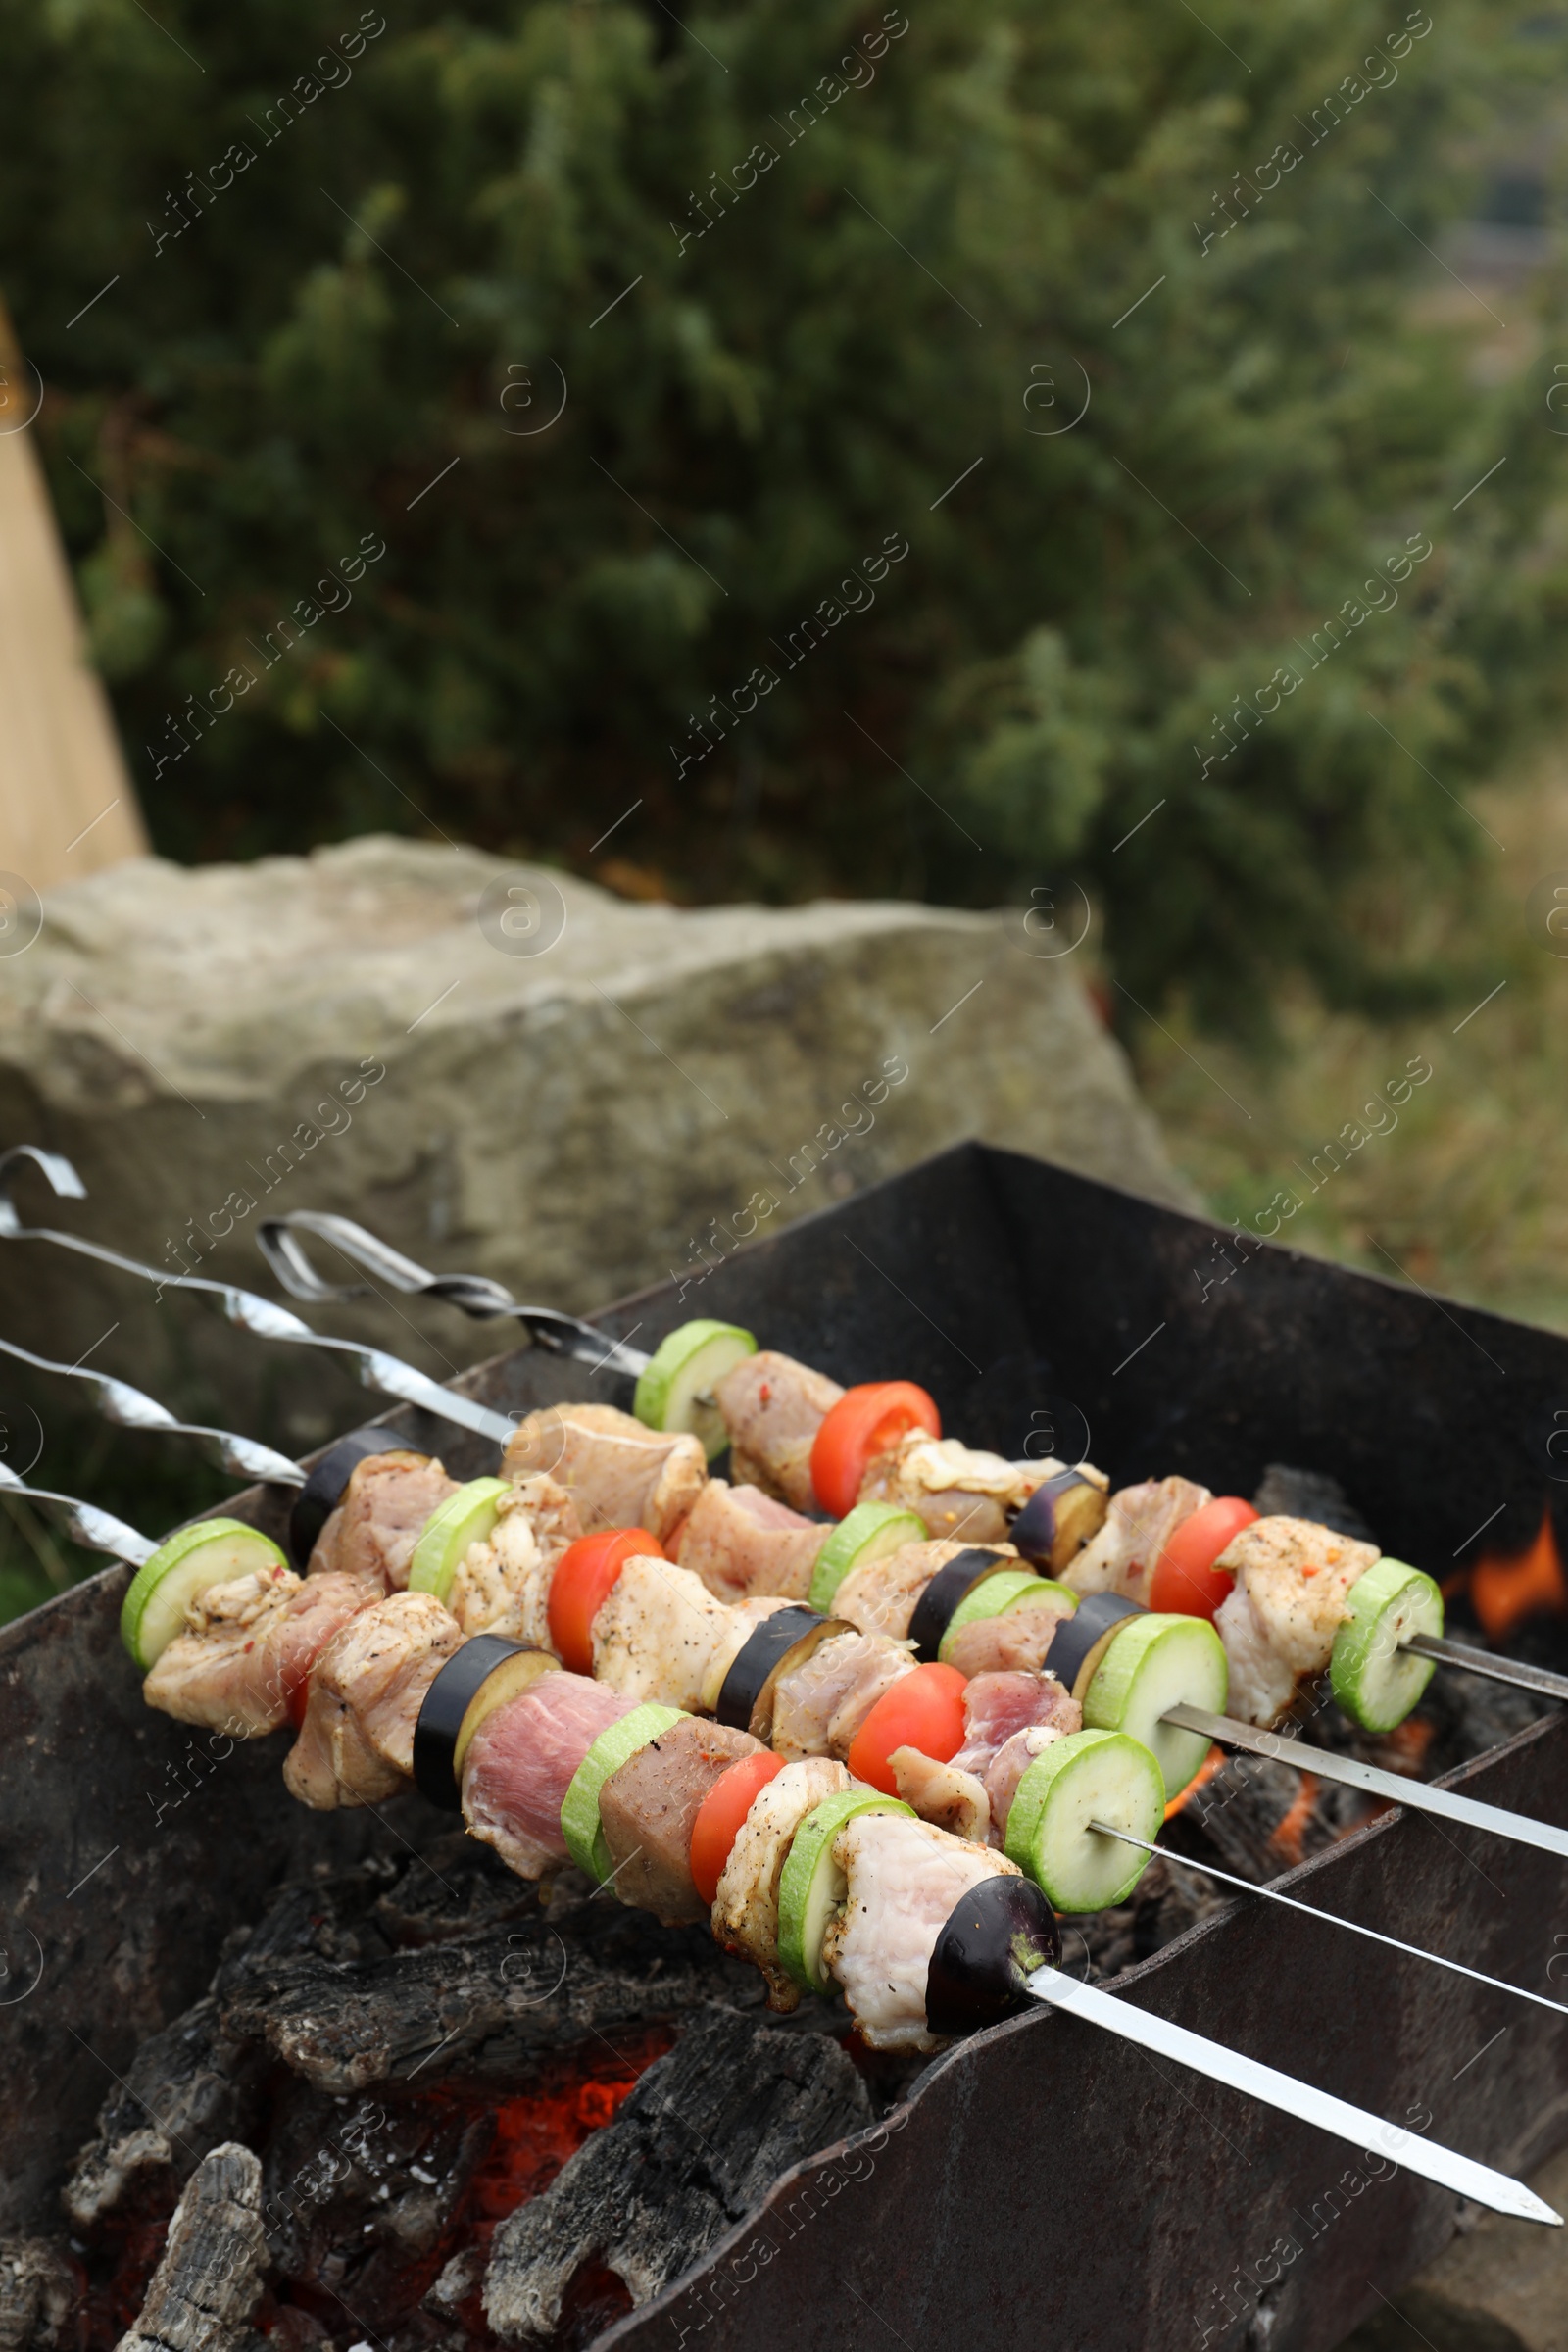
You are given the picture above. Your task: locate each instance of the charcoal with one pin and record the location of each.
(39, 2287)
(696, 2145)
(186, 2089)
(1285, 1492)
(209, 2280)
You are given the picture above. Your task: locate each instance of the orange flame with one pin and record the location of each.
(1288, 1832)
(1505, 1591)
(1213, 1762)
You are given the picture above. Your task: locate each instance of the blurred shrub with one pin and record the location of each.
(798, 267)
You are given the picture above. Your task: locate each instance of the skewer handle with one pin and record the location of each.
(1418, 1796)
(128, 1408)
(1538, 1679)
(261, 1316)
(277, 1238)
(1363, 2129)
(99, 1531)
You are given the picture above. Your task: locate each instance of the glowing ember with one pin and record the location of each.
(1503, 1592)
(1292, 1826)
(1213, 1762)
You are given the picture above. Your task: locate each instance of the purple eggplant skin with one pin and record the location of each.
(994, 1937)
(1075, 1637)
(324, 1489)
(441, 1716)
(755, 1660)
(942, 1595)
(1033, 1531)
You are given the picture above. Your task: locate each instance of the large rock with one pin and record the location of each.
(562, 1089)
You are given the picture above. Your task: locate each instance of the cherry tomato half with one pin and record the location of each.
(1184, 1581)
(866, 1420)
(720, 1814)
(924, 1710)
(584, 1579)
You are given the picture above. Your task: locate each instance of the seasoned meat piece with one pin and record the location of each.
(502, 1586)
(381, 1517)
(819, 1706)
(355, 1743)
(1019, 1638)
(904, 1880)
(1278, 1626)
(773, 1407)
(649, 1806)
(997, 1705)
(1010, 1762)
(661, 1634)
(739, 1540)
(945, 1794)
(522, 1762)
(243, 1663)
(619, 1472)
(746, 1907)
(959, 1493)
(881, 1598)
(1138, 1525)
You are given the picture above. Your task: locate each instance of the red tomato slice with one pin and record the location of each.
(924, 1710)
(720, 1814)
(1184, 1581)
(865, 1421)
(584, 1577)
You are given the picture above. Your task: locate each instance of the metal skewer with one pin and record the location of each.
(1538, 1679)
(99, 1531)
(117, 1401)
(1418, 1796)
(260, 1317)
(1117, 2015)
(1333, 1918)
(475, 1293)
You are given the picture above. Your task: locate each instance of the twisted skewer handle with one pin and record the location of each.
(99, 1531)
(128, 1408)
(252, 1313)
(475, 1293)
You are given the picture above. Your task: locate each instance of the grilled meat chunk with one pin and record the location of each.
(384, 1509)
(746, 1907)
(773, 1407)
(249, 1646)
(1008, 1720)
(619, 1472)
(740, 1540)
(882, 1597)
(502, 1586)
(648, 1807)
(1138, 1525)
(970, 1497)
(905, 1878)
(662, 1635)
(1278, 1625)
(945, 1794)
(1008, 1765)
(819, 1706)
(355, 1743)
(522, 1762)
(1019, 1639)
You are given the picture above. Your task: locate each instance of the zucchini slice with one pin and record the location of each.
(212, 1552)
(811, 1885)
(995, 1595)
(1088, 1777)
(579, 1807)
(466, 1517)
(1154, 1663)
(1375, 1681)
(675, 1390)
(867, 1533)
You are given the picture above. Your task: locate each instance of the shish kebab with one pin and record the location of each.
(1037, 1840)
(1059, 1490)
(928, 1935)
